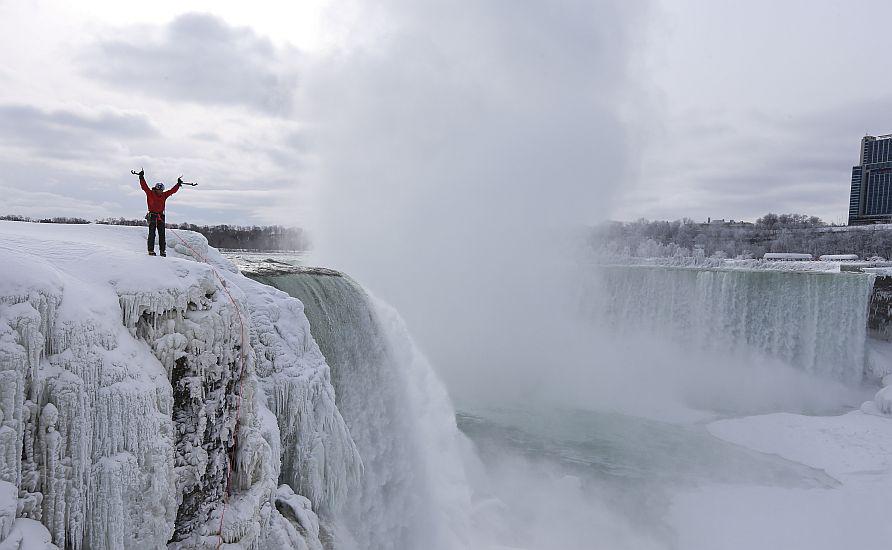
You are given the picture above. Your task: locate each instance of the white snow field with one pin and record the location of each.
(855, 449)
(118, 381)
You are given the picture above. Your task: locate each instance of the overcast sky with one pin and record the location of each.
(686, 108)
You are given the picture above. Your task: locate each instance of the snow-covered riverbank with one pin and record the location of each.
(855, 449)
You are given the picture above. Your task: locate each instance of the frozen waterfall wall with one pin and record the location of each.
(814, 321)
(121, 379)
(398, 414)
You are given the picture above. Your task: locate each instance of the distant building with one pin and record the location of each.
(870, 200)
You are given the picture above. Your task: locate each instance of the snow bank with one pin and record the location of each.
(691, 262)
(19, 533)
(882, 402)
(119, 376)
(854, 448)
(786, 256)
(842, 445)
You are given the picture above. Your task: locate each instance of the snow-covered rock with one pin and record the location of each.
(121, 380)
(881, 404)
(19, 533)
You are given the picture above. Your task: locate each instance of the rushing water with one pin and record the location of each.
(627, 449)
(399, 416)
(813, 321)
(562, 478)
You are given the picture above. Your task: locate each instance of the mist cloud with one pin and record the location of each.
(453, 155)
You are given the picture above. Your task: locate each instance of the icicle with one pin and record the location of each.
(9, 444)
(52, 474)
(8, 494)
(31, 501)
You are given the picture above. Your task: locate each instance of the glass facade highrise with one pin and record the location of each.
(870, 200)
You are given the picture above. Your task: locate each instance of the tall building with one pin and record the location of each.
(870, 200)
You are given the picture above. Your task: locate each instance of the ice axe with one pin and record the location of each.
(135, 173)
(181, 182)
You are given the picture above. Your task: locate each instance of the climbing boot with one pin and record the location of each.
(151, 253)
(163, 253)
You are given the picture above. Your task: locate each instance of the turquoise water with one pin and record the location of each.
(617, 447)
(614, 471)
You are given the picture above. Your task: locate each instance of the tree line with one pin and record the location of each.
(743, 240)
(255, 237)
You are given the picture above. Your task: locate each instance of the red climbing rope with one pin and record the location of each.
(238, 406)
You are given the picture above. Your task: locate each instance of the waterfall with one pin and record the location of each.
(814, 321)
(413, 493)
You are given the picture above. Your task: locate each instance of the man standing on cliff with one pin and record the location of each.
(155, 199)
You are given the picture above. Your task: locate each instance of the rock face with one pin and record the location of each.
(879, 315)
(134, 390)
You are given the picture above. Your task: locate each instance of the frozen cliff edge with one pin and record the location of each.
(119, 376)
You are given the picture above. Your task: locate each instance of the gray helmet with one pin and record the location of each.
(159, 186)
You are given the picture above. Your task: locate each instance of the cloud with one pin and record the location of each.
(67, 133)
(745, 166)
(39, 189)
(198, 58)
(43, 204)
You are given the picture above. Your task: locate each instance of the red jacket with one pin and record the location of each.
(155, 201)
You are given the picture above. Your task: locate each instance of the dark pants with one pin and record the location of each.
(156, 222)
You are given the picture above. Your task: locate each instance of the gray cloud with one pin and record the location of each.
(791, 163)
(198, 58)
(206, 136)
(40, 189)
(288, 153)
(69, 134)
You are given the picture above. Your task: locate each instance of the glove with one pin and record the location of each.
(180, 180)
(141, 173)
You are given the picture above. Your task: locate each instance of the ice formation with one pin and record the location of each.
(120, 377)
(318, 456)
(881, 405)
(811, 320)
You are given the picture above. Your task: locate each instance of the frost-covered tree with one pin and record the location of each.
(770, 233)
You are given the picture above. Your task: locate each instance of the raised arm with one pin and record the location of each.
(173, 190)
(142, 183)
